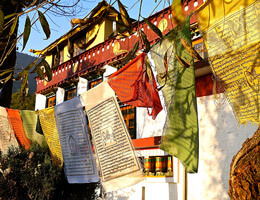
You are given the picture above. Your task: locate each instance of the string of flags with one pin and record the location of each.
(114, 162)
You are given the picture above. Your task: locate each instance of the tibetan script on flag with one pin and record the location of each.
(48, 124)
(181, 138)
(17, 124)
(118, 164)
(7, 137)
(77, 152)
(231, 31)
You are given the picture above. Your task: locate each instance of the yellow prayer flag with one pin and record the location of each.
(48, 123)
(231, 31)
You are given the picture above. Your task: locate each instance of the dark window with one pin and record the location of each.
(95, 83)
(128, 113)
(51, 101)
(71, 94)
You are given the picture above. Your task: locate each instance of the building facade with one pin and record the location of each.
(219, 133)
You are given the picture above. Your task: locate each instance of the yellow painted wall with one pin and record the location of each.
(66, 54)
(108, 28)
(100, 37)
(104, 30)
(49, 59)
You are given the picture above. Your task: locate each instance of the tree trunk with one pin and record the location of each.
(6, 92)
(244, 182)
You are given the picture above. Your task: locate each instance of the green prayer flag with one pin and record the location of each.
(29, 119)
(181, 128)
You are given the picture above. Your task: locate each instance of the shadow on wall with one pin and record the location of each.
(121, 194)
(220, 139)
(146, 126)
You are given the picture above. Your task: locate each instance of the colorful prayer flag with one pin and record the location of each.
(29, 119)
(231, 32)
(118, 164)
(133, 85)
(17, 124)
(48, 124)
(7, 137)
(79, 162)
(181, 128)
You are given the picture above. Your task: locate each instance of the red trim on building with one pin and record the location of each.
(204, 86)
(147, 143)
(103, 53)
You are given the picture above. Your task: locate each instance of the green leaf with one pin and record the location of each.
(14, 25)
(154, 28)
(24, 85)
(86, 45)
(56, 58)
(47, 69)
(27, 31)
(125, 16)
(191, 50)
(182, 62)
(1, 20)
(132, 53)
(129, 56)
(45, 25)
(40, 73)
(8, 77)
(11, 15)
(6, 72)
(146, 42)
(24, 72)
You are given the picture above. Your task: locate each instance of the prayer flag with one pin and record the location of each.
(181, 128)
(231, 32)
(79, 162)
(17, 124)
(48, 124)
(134, 87)
(7, 137)
(29, 119)
(118, 164)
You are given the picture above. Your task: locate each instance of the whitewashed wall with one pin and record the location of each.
(146, 126)
(220, 139)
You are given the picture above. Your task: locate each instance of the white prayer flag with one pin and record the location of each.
(76, 148)
(7, 137)
(118, 164)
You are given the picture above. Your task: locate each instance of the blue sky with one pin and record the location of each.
(60, 24)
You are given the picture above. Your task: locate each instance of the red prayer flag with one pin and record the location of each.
(133, 86)
(17, 124)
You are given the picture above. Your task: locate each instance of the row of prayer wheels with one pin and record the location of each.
(159, 165)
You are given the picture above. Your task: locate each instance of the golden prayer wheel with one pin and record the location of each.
(169, 164)
(158, 164)
(148, 164)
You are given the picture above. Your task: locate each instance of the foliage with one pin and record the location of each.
(28, 103)
(10, 12)
(31, 174)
